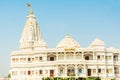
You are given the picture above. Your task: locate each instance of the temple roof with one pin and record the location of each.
(97, 42)
(68, 42)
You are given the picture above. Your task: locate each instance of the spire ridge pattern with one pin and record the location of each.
(31, 36)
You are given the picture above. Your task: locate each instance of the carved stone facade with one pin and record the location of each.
(34, 60)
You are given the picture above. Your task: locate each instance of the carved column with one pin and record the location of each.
(94, 56)
(65, 70)
(74, 56)
(56, 56)
(82, 55)
(85, 70)
(76, 70)
(56, 71)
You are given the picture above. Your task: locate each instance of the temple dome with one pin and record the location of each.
(68, 42)
(97, 43)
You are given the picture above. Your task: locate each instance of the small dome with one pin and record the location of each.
(68, 42)
(97, 42)
(111, 48)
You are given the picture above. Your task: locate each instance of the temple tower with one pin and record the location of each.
(31, 38)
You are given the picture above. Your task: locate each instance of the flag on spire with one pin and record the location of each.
(28, 5)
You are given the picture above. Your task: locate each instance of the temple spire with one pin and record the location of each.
(31, 36)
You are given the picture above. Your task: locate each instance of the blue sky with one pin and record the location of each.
(84, 20)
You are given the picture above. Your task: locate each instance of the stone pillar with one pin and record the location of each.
(94, 56)
(97, 70)
(82, 55)
(45, 56)
(113, 71)
(104, 57)
(65, 71)
(119, 57)
(56, 71)
(119, 71)
(85, 70)
(76, 71)
(74, 56)
(56, 56)
(65, 56)
(105, 72)
(92, 72)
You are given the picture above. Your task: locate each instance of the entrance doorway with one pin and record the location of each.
(89, 72)
(51, 73)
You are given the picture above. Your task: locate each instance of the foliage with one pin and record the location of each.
(81, 78)
(70, 74)
(93, 78)
(71, 78)
(112, 79)
(8, 76)
(66, 79)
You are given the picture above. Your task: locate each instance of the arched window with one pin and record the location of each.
(71, 70)
(115, 57)
(13, 59)
(40, 58)
(61, 71)
(29, 72)
(99, 70)
(116, 70)
(79, 70)
(29, 59)
(40, 72)
(51, 57)
(32, 59)
(86, 57)
(98, 57)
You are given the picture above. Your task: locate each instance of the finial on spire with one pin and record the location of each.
(67, 35)
(29, 9)
(31, 12)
